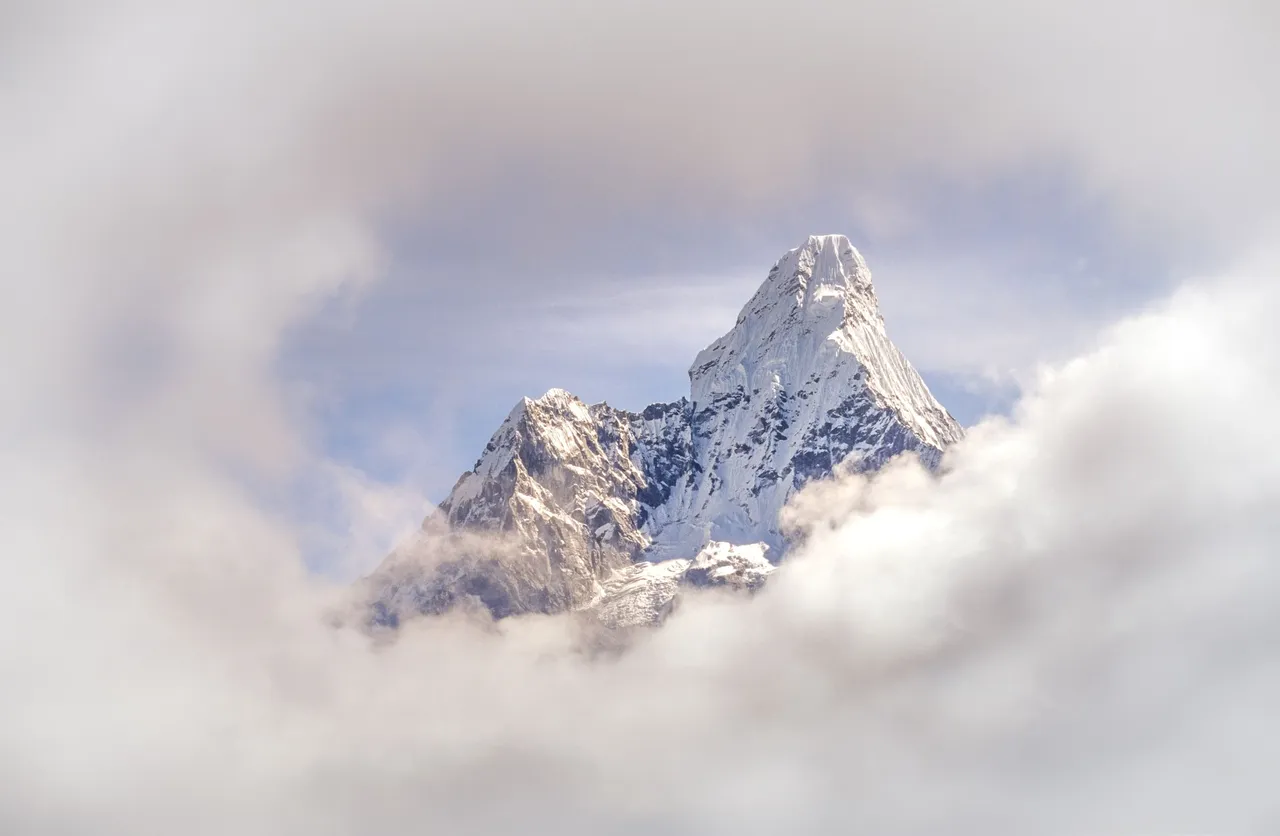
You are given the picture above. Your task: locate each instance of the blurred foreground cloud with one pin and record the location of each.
(1071, 630)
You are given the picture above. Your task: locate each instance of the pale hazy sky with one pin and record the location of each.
(511, 196)
(478, 311)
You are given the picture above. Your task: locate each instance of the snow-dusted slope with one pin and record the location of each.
(644, 593)
(588, 507)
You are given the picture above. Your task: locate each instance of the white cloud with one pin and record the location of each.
(1071, 630)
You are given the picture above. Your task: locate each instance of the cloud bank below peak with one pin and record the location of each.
(1069, 629)
(1072, 629)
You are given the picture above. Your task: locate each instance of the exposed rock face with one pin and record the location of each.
(575, 507)
(553, 506)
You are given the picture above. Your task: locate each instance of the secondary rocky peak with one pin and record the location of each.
(556, 404)
(555, 398)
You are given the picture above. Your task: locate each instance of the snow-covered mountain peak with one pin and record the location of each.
(812, 292)
(806, 377)
(614, 510)
(823, 273)
(832, 260)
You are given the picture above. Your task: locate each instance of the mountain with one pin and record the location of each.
(591, 508)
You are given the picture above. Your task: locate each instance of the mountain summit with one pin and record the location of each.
(577, 507)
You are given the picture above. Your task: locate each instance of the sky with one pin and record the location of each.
(270, 279)
(516, 197)
(593, 208)
(983, 285)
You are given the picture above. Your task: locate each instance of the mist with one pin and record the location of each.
(1070, 629)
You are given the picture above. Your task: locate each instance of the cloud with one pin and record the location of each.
(1159, 107)
(607, 146)
(1070, 630)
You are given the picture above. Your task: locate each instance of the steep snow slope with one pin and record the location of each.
(806, 377)
(575, 507)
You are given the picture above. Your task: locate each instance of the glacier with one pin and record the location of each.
(593, 509)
